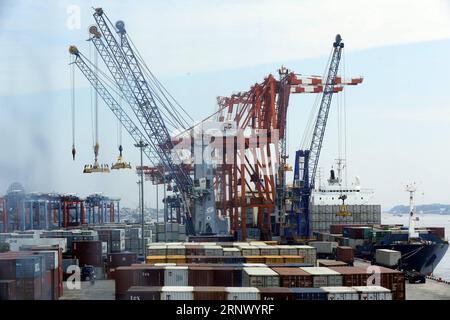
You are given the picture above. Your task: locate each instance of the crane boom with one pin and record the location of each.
(324, 109)
(306, 161)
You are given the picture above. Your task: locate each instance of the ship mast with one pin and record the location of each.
(411, 188)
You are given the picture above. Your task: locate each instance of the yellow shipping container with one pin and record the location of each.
(293, 259)
(156, 259)
(176, 259)
(274, 259)
(254, 259)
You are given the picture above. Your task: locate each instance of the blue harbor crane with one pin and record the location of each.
(306, 161)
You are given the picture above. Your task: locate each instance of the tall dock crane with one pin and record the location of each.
(306, 161)
(126, 68)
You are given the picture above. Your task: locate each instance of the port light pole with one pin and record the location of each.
(141, 145)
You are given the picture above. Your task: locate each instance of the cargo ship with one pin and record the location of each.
(421, 249)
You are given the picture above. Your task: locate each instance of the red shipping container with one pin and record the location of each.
(201, 276)
(345, 254)
(210, 293)
(7, 289)
(29, 289)
(438, 231)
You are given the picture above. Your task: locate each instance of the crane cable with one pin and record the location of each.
(72, 101)
(96, 146)
(91, 95)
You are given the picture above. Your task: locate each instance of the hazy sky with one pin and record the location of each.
(398, 119)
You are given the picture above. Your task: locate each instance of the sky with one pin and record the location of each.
(398, 120)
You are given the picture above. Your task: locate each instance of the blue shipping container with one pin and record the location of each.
(309, 294)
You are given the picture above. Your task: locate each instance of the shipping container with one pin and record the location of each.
(438, 231)
(324, 277)
(242, 293)
(176, 259)
(143, 293)
(260, 277)
(293, 259)
(309, 253)
(233, 252)
(121, 259)
(331, 263)
(293, 277)
(286, 250)
(88, 253)
(227, 276)
(345, 254)
(254, 259)
(373, 293)
(156, 259)
(29, 288)
(201, 276)
(341, 293)
(352, 276)
(176, 250)
(309, 294)
(210, 293)
(325, 247)
(250, 250)
(176, 276)
(388, 258)
(157, 250)
(273, 259)
(278, 293)
(8, 290)
(177, 293)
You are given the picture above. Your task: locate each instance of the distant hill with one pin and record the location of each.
(435, 208)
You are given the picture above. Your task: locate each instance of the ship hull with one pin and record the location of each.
(419, 257)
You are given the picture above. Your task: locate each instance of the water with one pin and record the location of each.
(427, 220)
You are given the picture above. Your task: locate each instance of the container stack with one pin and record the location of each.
(34, 274)
(323, 216)
(169, 232)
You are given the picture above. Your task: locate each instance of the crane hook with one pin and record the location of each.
(73, 152)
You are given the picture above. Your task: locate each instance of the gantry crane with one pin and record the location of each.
(306, 161)
(126, 68)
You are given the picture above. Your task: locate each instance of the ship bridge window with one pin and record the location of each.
(361, 198)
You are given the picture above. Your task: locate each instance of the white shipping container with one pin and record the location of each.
(387, 257)
(260, 277)
(341, 293)
(250, 251)
(16, 243)
(254, 265)
(373, 293)
(213, 251)
(177, 293)
(242, 293)
(286, 250)
(176, 251)
(232, 252)
(157, 251)
(324, 246)
(269, 251)
(176, 276)
(323, 276)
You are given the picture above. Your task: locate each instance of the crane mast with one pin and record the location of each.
(306, 161)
